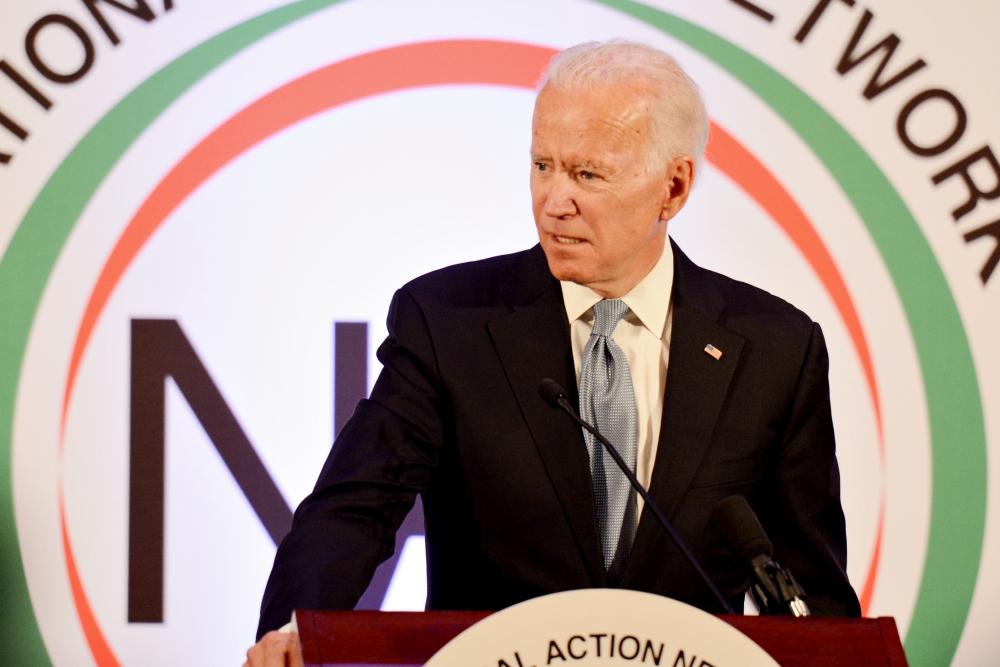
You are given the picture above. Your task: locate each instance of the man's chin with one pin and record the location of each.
(570, 270)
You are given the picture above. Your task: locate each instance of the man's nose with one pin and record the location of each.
(559, 202)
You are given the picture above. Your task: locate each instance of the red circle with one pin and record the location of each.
(453, 62)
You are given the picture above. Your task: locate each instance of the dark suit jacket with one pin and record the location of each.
(508, 500)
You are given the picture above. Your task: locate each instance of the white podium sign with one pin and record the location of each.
(601, 627)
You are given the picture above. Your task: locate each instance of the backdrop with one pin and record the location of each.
(205, 209)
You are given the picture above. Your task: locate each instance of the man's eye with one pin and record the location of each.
(587, 175)
(540, 166)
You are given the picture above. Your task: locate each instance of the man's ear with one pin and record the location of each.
(677, 186)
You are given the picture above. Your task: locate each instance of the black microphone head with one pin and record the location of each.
(740, 528)
(551, 392)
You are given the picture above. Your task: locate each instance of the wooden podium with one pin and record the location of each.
(362, 638)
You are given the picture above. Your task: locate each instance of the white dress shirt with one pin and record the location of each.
(644, 336)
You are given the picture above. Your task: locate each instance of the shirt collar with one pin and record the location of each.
(649, 301)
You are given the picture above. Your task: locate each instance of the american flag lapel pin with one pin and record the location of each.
(713, 351)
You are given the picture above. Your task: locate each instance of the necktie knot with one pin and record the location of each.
(607, 314)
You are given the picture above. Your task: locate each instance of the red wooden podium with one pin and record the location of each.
(363, 638)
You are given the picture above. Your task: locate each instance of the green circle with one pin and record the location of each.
(958, 440)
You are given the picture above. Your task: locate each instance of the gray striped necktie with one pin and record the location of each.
(607, 401)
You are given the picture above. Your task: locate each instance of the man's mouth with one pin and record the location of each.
(565, 239)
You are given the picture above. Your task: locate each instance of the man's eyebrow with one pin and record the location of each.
(588, 165)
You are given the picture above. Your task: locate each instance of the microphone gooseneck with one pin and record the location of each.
(555, 396)
(775, 589)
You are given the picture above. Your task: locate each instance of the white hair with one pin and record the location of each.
(678, 118)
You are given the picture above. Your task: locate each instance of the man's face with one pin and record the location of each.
(600, 214)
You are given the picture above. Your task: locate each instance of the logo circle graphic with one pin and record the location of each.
(958, 441)
(543, 629)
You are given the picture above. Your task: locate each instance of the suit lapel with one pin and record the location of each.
(533, 344)
(696, 389)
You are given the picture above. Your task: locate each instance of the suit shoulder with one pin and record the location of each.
(469, 283)
(748, 304)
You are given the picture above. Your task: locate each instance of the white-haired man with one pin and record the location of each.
(709, 388)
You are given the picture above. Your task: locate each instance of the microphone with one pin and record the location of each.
(555, 396)
(775, 589)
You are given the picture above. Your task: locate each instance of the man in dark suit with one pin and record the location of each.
(516, 503)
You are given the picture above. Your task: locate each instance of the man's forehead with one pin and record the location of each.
(609, 117)
(631, 92)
